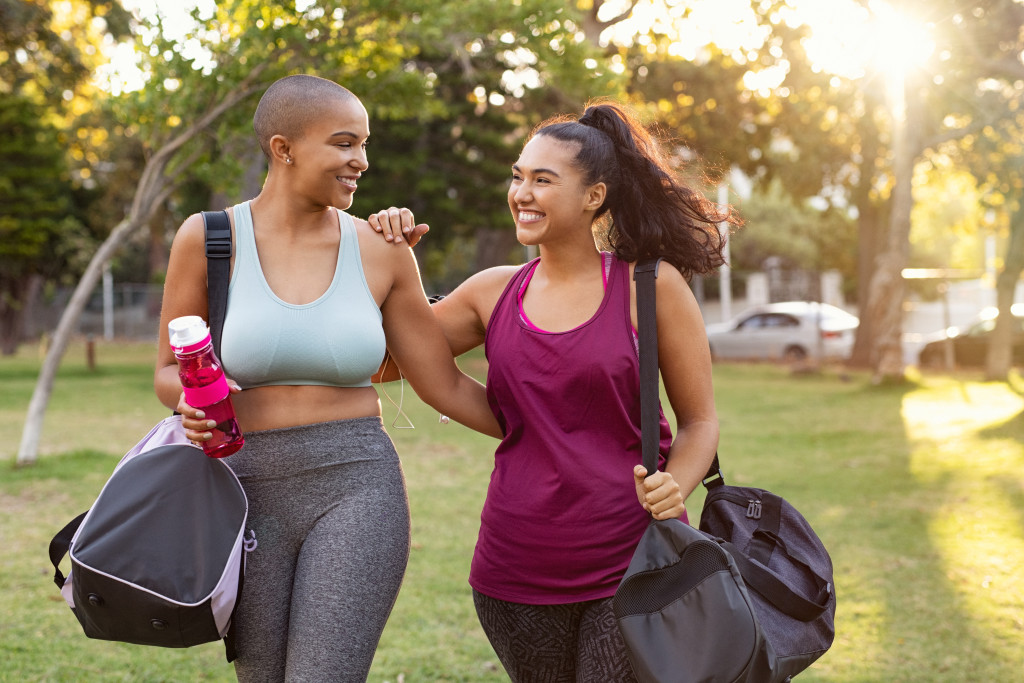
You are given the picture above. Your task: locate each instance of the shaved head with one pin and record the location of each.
(291, 103)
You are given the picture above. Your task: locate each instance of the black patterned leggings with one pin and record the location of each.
(574, 643)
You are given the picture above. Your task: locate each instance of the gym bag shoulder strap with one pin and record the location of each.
(218, 270)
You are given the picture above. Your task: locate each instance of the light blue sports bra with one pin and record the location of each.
(335, 341)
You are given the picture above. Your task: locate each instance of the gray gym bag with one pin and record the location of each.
(160, 556)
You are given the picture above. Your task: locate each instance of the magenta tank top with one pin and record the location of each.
(561, 518)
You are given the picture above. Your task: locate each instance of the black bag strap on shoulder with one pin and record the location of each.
(218, 270)
(645, 273)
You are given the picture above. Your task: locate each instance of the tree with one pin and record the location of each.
(953, 96)
(991, 116)
(37, 232)
(41, 80)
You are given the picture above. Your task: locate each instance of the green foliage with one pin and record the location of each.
(800, 235)
(43, 65)
(491, 72)
(238, 51)
(39, 239)
(37, 57)
(948, 218)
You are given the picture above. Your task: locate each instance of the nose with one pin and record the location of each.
(520, 193)
(361, 161)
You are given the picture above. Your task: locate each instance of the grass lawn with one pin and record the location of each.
(917, 491)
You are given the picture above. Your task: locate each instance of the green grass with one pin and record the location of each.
(917, 491)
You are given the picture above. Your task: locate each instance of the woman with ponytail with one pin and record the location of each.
(568, 498)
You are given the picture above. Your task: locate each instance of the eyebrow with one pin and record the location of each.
(345, 133)
(515, 167)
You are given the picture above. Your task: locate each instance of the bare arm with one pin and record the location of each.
(185, 293)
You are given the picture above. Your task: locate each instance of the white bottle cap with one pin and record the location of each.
(187, 330)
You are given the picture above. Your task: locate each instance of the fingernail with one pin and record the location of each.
(210, 424)
(200, 415)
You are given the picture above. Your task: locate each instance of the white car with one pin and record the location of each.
(790, 331)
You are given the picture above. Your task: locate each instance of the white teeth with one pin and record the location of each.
(526, 216)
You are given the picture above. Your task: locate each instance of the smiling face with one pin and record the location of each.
(547, 197)
(330, 155)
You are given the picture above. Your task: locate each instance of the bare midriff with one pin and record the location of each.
(274, 407)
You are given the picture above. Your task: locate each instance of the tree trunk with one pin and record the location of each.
(885, 313)
(33, 300)
(999, 356)
(885, 293)
(871, 234)
(594, 27)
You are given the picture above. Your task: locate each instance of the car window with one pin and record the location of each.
(781, 320)
(754, 322)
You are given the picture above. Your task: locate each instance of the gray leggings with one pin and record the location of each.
(331, 516)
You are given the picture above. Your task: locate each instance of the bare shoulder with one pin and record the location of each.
(493, 278)
(375, 248)
(671, 281)
(484, 288)
(191, 234)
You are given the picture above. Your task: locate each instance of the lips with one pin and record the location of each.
(349, 182)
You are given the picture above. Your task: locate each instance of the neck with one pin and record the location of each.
(559, 265)
(287, 210)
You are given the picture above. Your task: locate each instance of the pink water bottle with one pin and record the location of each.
(203, 381)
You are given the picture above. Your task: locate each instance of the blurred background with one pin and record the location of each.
(873, 147)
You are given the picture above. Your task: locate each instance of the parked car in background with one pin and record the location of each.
(790, 331)
(971, 345)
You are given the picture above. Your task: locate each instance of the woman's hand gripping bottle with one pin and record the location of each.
(204, 384)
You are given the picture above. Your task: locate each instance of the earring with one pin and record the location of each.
(288, 160)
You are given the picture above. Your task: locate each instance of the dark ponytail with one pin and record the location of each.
(652, 213)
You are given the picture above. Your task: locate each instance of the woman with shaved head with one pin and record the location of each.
(314, 299)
